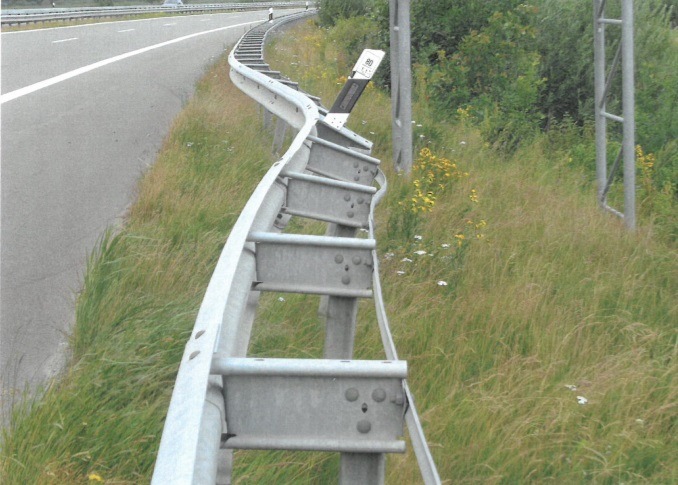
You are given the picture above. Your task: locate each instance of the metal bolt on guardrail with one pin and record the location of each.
(224, 400)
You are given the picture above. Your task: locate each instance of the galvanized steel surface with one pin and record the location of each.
(177, 458)
(335, 404)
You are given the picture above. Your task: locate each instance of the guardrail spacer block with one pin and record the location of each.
(329, 200)
(313, 264)
(313, 404)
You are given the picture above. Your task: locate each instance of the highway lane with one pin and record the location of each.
(71, 154)
(54, 51)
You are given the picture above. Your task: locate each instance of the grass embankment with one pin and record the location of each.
(141, 295)
(506, 289)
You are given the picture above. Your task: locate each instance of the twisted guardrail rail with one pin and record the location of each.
(223, 400)
(10, 17)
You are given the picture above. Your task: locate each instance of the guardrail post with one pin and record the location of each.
(268, 119)
(362, 468)
(340, 324)
(279, 136)
(339, 312)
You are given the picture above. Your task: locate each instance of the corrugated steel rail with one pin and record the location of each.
(10, 17)
(224, 400)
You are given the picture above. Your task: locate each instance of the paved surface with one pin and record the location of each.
(72, 151)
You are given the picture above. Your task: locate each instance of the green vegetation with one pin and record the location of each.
(140, 298)
(332, 11)
(522, 67)
(516, 69)
(510, 294)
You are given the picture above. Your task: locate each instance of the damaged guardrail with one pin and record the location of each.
(224, 400)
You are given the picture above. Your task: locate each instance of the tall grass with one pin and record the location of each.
(141, 293)
(546, 302)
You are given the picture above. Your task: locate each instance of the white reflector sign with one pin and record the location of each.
(367, 64)
(362, 72)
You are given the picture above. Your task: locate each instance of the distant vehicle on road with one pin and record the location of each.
(172, 3)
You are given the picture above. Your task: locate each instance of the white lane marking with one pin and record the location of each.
(169, 25)
(125, 30)
(82, 70)
(64, 40)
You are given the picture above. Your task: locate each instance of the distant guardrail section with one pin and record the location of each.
(10, 17)
(223, 399)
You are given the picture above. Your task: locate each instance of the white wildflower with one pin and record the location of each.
(400, 273)
(442, 283)
(444, 245)
(571, 387)
(406, 260)
(281, 299)
(420, 252)
(582, 400)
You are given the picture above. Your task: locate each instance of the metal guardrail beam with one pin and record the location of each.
(189, 447)
(224, 400)
(10, 17)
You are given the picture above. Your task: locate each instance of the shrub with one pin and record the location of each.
(331, 11)
(431, 176)
(494, 75)
(352, 35)
(565, 44)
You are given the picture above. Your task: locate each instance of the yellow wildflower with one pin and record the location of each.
(463, 113)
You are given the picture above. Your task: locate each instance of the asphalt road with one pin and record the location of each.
(84, 111)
